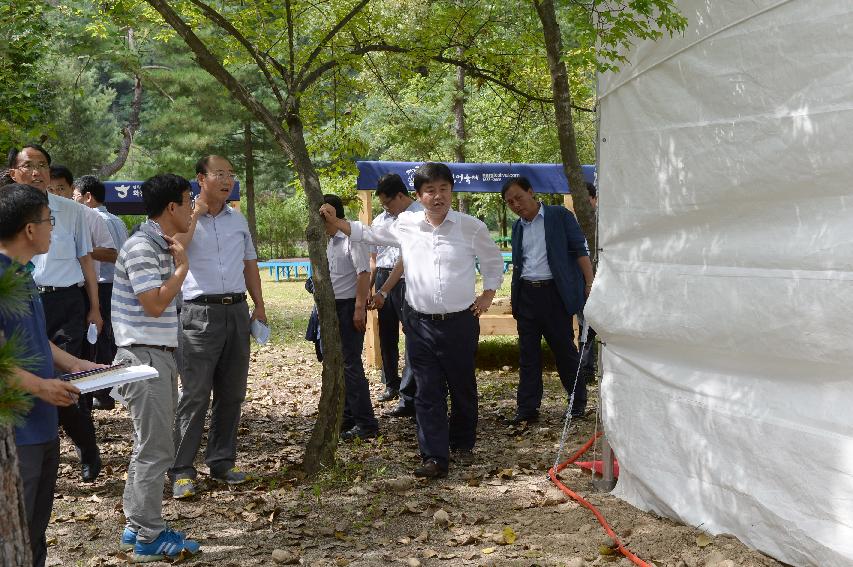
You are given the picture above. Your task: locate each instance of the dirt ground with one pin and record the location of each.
(369, 509)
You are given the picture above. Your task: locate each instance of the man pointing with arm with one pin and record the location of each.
(440, 247)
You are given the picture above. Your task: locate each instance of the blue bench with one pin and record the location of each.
(507, 256)
(287, 268)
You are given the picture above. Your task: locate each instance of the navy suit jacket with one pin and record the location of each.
(564, 243)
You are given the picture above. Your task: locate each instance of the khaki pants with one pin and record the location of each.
(151, 404)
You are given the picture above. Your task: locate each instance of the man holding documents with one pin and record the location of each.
(149, 272)
(214, 331)
(26, 224)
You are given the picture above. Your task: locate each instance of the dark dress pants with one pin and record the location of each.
(38, 465)
(358, 409)
(389, 335)
(104, 350)
(65, 314)
(540, 313)
(390, 317)
(442, 353)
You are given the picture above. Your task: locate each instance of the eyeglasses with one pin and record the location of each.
(51, 219)
(221, 175)
(30, 166)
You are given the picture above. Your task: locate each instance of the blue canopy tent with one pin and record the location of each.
(476, 177)
(125, 197)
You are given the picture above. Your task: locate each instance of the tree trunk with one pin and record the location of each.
(459, 126)
(324, 438)
(249, 156)
(565, 126)
(128, 132)
(14, 535)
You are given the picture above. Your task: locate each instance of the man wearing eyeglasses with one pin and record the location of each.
(60, 274)
(214, 334)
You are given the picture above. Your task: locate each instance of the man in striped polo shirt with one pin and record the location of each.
(148, 275)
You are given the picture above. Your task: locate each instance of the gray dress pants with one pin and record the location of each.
(214, 361)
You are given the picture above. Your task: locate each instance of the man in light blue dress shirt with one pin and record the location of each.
(62, 275)
(552, 276)
(214, 334)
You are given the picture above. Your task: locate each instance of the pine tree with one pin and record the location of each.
(14, 538)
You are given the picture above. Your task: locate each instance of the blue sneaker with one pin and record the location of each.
(128, 540)
(168, 544)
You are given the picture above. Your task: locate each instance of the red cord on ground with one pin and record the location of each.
(552, 473)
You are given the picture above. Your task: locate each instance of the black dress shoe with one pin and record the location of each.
(463, 457)
(389, 394)
(400, 411)
(523, 419)
(430, 469)
(106, 403)
(90, 471)
(359, 432)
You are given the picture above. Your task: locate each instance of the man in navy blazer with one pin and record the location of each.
(551, 279)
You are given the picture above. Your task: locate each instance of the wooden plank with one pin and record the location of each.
(371, 337)
(497, 325)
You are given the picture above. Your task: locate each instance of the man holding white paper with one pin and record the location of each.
(214, 330)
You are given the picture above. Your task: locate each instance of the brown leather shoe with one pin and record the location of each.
(430, 469)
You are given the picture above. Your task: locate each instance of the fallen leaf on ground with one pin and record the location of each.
(509, 535)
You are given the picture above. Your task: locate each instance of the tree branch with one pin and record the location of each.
(329, 36)
(217, 19)
(474, 70)
(291, 62)
(211, 64)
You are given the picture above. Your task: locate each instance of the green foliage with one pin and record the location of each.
(25, 95)
(14, 403)
(86, 132)
(281, 225)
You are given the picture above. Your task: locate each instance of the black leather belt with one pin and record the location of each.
(384, 269)
(537, 283)
(52, 288)
(439, 316)
(156, 347)
(219, 299)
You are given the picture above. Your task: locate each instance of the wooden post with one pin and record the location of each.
(371, 336)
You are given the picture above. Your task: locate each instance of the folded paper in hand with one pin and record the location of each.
(260, 331)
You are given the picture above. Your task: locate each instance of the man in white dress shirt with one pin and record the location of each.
(439, 247)
(389, 299)
(89, 191)
(349, 270)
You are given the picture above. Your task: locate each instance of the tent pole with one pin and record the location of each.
(371, 336)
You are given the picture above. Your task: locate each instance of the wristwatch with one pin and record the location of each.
(383, 293)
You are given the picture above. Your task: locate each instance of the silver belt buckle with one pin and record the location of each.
(227, 300)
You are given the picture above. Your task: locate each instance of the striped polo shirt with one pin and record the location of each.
(143, 264)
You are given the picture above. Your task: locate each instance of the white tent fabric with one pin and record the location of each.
(725, 291)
